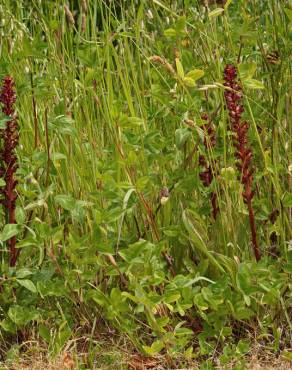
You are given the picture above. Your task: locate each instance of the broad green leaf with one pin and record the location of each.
(242, 313)
(253, 84)
(63, 125)
(195, 74)
(170, 297)
(99, 297)
(247, 70)
(9, 231)
(22, 273)
(28, 284)
(155, 348)
(22, 315)
(8, 325)
(188, 81)
(65, 201)
(37, 204)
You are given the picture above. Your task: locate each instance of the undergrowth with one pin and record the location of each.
(151, 182)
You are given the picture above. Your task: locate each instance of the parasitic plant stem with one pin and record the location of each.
(9, 165)
(243, 153)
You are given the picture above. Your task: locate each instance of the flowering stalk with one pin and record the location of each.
(8, 166)
(233, 96)
(206, 175)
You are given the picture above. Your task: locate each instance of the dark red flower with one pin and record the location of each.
(233, 96)
(9, 165)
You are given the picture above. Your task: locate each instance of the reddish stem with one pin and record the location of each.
(255, 244)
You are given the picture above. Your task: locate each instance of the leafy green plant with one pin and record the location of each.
(131, 218)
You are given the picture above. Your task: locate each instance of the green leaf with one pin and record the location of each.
(155, 348)
(288, 13)
(242, 313)
(181, 24)
(22, 273)
(287, 200)
(181, 136)
(253, 84)
(200, 302)
(188, 81)
(2, 182)
(9, 231)
(44, 332)
(287, 355)
(63, 125)
(65, 201)
(247, 70)
(179, 68)
(22, 315)
(58, 156)
(183, 331)
(195, 74)
(28, 284)
(3, 121)
(20, 215)
(216, 12)
(8, 325)
(228, 2)
(197, 238)
(170, 297)
(130, 122)
(243, 347)
(170, 32)
(99, 297)
(61, 338)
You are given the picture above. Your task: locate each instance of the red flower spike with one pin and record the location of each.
(233, 96)
(9, 165)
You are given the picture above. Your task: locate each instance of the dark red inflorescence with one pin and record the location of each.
(233, 97)
(9, 165)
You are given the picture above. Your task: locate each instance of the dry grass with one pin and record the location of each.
(116, 353)
(66, 361)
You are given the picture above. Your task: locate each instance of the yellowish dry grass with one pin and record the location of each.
(66, 362)
(121, 355)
